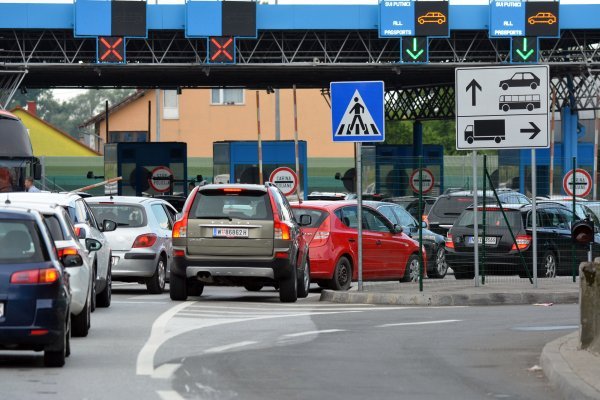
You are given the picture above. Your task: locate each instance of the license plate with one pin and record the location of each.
(489, 240)
(1, 310)
(230, 232)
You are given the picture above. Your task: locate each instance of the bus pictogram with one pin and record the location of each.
(527, 102)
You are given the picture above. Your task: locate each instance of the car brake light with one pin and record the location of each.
(322, 234)
(145, 240)
(281, 230)
(67, 251)
(523, 242)
(449, 242)
(232, 190)
(38, 332)
(34, 276)
(180, 228)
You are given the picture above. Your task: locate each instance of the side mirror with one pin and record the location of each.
(92, 244)
(305, 220)
(583, 231)
(398, 229)
(338, 176)
(72, 260)
(108, 225)
(37, 171)
(424, 224)
(90, 175)
(81, 231)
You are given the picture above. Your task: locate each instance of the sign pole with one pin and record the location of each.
(260, 163)
(596, 132)
(475, 221)
(552, 127)
(296, 144)
(534, 216)
(359, 212)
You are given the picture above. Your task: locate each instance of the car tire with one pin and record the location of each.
(548, 265)
(470, 140)
(104, 297)
(288, 291)
(194, 288)
(156, 283)
(253, 287)
(56, 358)
(533, 85)
(81, 323)
(441, 266)
(505, 86)
(304, 281)
(505, 108)
(342, 275)
(412, 270)
(177, 287)
(461, 275)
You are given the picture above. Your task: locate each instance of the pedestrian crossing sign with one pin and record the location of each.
(357, 111)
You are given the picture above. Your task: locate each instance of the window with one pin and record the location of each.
(389, 214)
(127, 136)
(227, 96)
(161, 216)
(125, 215)
(21, 243)
(405, 218)
(170, 104)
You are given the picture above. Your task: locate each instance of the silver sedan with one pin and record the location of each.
(141, 244)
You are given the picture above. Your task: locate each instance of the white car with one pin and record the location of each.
(84, 221)
(81, 278)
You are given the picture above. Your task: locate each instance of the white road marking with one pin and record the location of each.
(221, 349)
(444, 321)
(169, 395)
(292, 335)
(165, 371)
(545, 328)
(137, 302)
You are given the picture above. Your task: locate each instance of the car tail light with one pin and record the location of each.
(425, 219)
(449, 242)
(67, 251)
(180, 226)
(34, 276)
(281, 231)
(38, 332)
(322, 235)
(523, 242)
(282, 254)
(232, 190)
(145, 240)
(178, 253)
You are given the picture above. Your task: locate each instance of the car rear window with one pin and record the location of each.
(20, 243)
(492, 219)
(54, 227)
(451, 206)
(244, 204)
(317, 216)
(125, 215)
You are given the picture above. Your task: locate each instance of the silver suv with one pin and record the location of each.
(239, 235)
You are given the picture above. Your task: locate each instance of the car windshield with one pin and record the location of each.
(20, 243)
(317, 216)
(127, 216)
(247, 205)
(493, 218)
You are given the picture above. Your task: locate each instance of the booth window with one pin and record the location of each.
(128, 136)
(170, 104)
(222, 96)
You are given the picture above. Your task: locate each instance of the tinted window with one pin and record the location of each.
(127, 216)
(405, 218)
(451, 206)
(348, 216)
(54, 227)
(161, 216)
(317, 216)
(389, 214)
(493, 219)
(21, 243)
(246, 205)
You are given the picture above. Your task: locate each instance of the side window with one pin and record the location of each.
(389, 214)
(374, 222)
(84, 215)
(405, 218)
(566, 218)
(284, 214)
(348, 216)
(172, 213)
(161, 216)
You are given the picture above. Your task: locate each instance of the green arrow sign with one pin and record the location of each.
(416, 52)
(525, 54)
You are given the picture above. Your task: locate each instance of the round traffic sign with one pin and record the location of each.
(285, 179)
(582, 184)
(428, 180)
(160, 179)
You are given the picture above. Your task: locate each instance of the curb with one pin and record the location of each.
(435, 299)
(561, 375)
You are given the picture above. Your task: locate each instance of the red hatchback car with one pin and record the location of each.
(388, 254)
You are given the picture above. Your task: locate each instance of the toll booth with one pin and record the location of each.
(147, 168)
(237, 161)
(387, 169)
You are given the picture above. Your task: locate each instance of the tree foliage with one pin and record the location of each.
(441, 132)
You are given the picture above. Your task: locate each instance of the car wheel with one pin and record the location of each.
(156, 283)
(463, 274)
(288, 291)
(304, 281)
(547, 268)
(529, 107)
(497, 139)
(103, 298)
(441, 266)
(195, 288)
(505, 86)
(421, 21)
(56, 358)
(177, 287)
(470, 140)
(505, 107)
(81, 323)
(342, 275)
(411, 272)
(533, 85)
(253, 287)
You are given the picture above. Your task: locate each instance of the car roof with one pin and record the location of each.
(333, 204)
(44, 208)
(123, 200)
(11, 212)
(41, 197)
(217, 186)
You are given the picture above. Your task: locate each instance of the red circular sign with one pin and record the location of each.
(583, 184)
(285, 179)
(428, 180)
(158, 184)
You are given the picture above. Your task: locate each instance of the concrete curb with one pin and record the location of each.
(560, 372)
(442, 299)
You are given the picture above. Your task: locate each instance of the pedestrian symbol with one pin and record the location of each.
(357, 111)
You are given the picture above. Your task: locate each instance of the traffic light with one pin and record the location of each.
(111, 49)
(583, 231)
(414, 49)
(524, 49)
(221, 49)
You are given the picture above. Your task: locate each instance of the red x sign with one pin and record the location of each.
(111, 49)
(221, 49)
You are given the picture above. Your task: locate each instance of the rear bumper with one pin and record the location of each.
(507, 263)
(134, 264)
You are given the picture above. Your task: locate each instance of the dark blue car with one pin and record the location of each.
(34, 288)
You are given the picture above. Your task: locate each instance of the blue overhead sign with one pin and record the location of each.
(357, 111)
(507, 18)
(396, 18)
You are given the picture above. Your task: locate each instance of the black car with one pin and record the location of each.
(411, 204)
(34, 288)
(502, 253)
(521, 79)
(434, 244)
(449, 206)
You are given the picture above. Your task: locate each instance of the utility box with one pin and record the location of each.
(147, 168)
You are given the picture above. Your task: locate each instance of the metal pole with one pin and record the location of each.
(534, 216)
(475, 222)
(483, 218)
(574, 190)
(106, 114)
(260, 162)
(296, 145)
(596, 133)
(552, 127)
(420, 224)
(149, 138)
(157, 115)
(278, 117)
(359, 213)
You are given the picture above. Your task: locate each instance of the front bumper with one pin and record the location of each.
(138, 263)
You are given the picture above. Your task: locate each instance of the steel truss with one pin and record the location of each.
(10, 80)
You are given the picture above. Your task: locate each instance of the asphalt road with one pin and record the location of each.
(232, 344)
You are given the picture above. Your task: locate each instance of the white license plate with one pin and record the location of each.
(230, 232)
(1, 310)
(489, 240)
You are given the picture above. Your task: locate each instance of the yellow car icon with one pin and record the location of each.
(542, 18)
(432, 17)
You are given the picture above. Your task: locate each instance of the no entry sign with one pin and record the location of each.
(160, 179)
(285, 179)
(428, 180)
(582, 183)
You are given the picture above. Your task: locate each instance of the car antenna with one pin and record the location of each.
(7, 201)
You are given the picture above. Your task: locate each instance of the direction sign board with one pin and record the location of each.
(428, 180)
(285, 179)
(160, 179)
(396, 18)
(502, 107)
(507, 18)
(582, 183)
(357, 111)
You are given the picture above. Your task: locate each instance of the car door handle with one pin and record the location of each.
(351, 240)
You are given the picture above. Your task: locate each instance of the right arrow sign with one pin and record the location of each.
(534, 130)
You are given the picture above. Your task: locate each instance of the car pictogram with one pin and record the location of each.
(521, 79)
(542, 18)
(432, 17)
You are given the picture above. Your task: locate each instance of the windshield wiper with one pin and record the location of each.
(216, 217)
